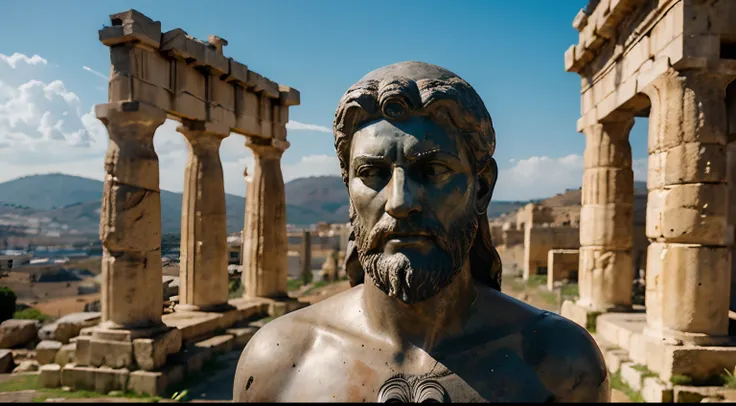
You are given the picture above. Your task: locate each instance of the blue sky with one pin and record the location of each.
(511, 52)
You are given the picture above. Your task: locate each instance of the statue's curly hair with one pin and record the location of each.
(406, 89)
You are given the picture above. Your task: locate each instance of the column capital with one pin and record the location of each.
(617, 127)
(195, 129)
(266, 147)
(698, 80)
(130, 112)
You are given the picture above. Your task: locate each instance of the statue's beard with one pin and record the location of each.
(413, 276)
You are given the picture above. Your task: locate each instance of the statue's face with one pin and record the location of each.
(412, 190)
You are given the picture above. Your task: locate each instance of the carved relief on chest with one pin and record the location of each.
(403, 388)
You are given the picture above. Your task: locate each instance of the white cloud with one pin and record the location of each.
(14, 60)
(297, 126)
(541, 176)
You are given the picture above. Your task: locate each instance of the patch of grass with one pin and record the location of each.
(235, 289)
(536, 280)
(549, 297)
(315, 286)
(570, 291)
(645, 372)
(619, 384)
(681, 379)
(590, 322)
(729, 379)
(30, 382)
(31, 314)
(294, 284)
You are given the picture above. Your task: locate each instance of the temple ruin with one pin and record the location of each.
(157, 75)
(673, 61)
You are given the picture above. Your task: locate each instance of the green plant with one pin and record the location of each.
(235, 288)
(31, 314)
(729, 379)
(570, 290)
(7, 303)
(681, 380)
(590, 322)
(619, 384)
(293, 284)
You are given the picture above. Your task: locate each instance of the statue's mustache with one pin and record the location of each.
(388, 225)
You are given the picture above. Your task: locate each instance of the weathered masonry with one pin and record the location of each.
(675, 62)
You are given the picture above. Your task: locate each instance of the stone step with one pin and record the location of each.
(218, 344)
(242, 335)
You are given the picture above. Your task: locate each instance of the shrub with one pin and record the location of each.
(30, 314)
(7, 303)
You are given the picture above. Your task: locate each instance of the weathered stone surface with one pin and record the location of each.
(131, 26)
(115, 354)
(242, 335)
(203, 259)
(221, 343)
(17, 333)
(631, 375)
(26, 366)
(82, 355)
(146, 382)
(265, 261)
(49, 376)
(65, 354)
(46, 351)
(687, 163)
(697, 300)
(604, 278)
(108, 379)
(151, 353)
(6, 361)
(78, 377)
(68, 326)
(653, 390)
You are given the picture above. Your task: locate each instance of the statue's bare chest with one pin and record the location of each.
(332, 373)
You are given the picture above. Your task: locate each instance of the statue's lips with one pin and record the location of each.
(407, 239)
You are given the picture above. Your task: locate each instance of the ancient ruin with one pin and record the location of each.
(157, 75)
(673, 61)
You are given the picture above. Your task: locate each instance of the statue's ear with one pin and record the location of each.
(487, 177)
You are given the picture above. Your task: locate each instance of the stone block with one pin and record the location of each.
(638, 349)
(615, 358)
(631, 375)
(26, 366)
(82, 355)
(127, 87)
(277, 309)
(78, 377)
(17, 333)
(653, 390)
(668, 28)
(607, 225)
(237, 72)
(68, 326)
(288, 96)
(650, 72)
(604, 278)
(151, 353)
(687, 290)
(179, 45)
(689, 214)
(65, 354)
(698, 394)
(132, 224)
(131, 26)
(218, 344)
(46, 351)
(6, 361)
(147, 382)
(114, 354)
(108, 379)
(242, 335)
(692, 162)
(49, 376)
(608, 185)
(134, 275)
(196, 358)
(573, 312)
(636, 57)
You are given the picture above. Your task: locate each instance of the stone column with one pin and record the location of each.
(731, 179)
(606, 269)
(130, 219)
(265, 250)
(688, 262)
(204, 252)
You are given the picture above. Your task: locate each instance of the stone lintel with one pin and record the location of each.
(265, 145)
(262, 84)
(198, 128)
(237, 73)
(130, 26)
(179, 45)
(289, 96)
(580, 20)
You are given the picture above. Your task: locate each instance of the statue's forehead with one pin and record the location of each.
(415, 135)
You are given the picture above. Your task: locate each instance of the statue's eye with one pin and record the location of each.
(369, 172)
(435, 170)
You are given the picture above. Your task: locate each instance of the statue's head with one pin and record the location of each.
(415, 144)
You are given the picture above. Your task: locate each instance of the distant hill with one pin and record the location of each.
(75, 202)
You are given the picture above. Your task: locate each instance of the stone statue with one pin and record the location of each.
(425, 320)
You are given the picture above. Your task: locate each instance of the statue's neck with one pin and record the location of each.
(425, 324)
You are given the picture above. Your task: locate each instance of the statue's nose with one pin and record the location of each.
(402, 200)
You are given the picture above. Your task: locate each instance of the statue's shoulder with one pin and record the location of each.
(567, 358)
(268, 361)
